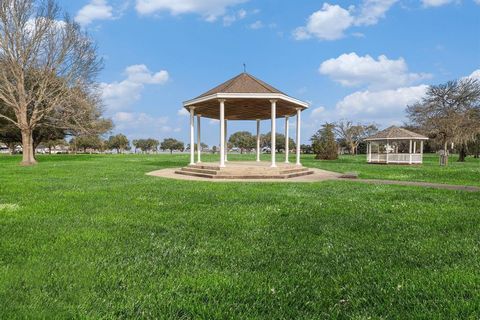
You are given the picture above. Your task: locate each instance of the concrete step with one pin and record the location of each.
(242, 175)
(194, 174)
(206, 167)
(196, 170)
(293, 170)
(300, 174)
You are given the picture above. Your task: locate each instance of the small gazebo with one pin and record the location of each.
(244, 97)
(396, 146)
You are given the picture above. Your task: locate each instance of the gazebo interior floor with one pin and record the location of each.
(245, 170)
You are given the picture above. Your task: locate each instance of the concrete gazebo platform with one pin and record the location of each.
(243, 98)
(395, 145)
(245, 170)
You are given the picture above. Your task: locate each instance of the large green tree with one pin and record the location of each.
(266, 141)
(171, 145)
(146, 145)
(324, 144)
(118, 142)
(243, 140)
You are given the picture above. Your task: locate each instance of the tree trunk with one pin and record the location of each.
(462, 153)
(445, 149)
(28, 157)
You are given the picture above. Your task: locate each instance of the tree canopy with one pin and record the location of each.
(323, 143)
(146, 145)
(243, 140)
(450, 113)
(118, 142)
(171, 145)
(48, 67)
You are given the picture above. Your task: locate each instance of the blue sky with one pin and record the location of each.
(356, 60)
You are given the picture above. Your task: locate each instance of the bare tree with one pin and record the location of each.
(450, 112)
(47, 70)
(352, 134)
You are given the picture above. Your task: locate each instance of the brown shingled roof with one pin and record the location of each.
(243, 83)
(394, 132)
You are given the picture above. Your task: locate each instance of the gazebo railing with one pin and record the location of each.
(406, 158)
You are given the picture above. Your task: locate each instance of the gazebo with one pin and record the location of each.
(244, 97)
(395, 145)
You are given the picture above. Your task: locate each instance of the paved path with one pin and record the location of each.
(319, 175)
(421, 184)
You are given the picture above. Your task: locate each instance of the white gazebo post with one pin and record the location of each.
(273, 131)
(387, 146)
(286, 139)
(226, 142)
(298, 136)
(258, 140)
(410, 153)
(421, 147)
(369, 149)
(199, 140)
(192, 135)
(222, 133)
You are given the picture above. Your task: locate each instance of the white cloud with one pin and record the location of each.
(119, 95)
(133, 122)
(256, 25)
(209, 9)
(183, 112)
(228, 20)
(475, 74)
(379, 105)
(317, 112)
(435, 3)
(373, 10)
(353, 70)
(477, 1)
(95, 10)
(329, 23)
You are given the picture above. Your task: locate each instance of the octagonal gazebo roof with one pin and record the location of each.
(247, 98)
(396, 133)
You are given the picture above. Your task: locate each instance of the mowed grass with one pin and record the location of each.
(94, 237)
(461, 173)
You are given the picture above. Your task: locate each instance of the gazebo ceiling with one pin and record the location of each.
(396, 133)
(246, 98)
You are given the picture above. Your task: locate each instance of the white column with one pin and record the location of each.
(273, 131)
(386, 150)
(226, 142)
(192, 135)
(298, 136)
(369, 149)
(286, 139)
(414, 147)
(199, 140)
(222, 133)
(258, 140)
(410, 151)
(421, 151)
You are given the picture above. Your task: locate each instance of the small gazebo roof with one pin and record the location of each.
(396, 133)
(247, 98)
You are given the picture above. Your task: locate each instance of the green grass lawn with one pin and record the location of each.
(94, 237)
